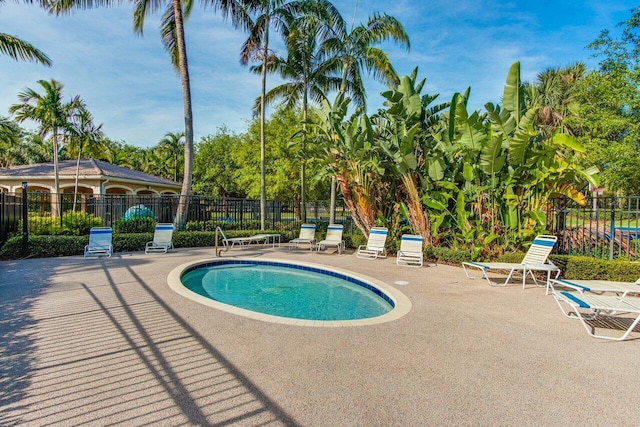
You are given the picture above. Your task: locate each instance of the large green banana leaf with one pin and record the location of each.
(492, 156)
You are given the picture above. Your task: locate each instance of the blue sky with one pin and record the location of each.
(129, 85)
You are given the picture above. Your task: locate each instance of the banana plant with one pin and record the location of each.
(404, 139)
(346, 150)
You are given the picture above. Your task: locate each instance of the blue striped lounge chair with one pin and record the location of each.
(99, 242)
(333, 238)
(609, 312)
(536, 259)
(410, 253)
(375, 247)
(162, 239)
(307, 236)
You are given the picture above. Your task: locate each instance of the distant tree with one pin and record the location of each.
(610, 108)
(126, 155)
(283, 168)
(214, 167)
(172, 147)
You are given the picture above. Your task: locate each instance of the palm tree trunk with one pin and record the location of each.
(181, 215)
(263, 186)
(303, 200)
(75, 187)
(55, 212)
(332, 202)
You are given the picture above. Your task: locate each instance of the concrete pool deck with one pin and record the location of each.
(106, 341)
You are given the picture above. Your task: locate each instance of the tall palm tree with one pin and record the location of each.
(84, 137)
(172, 32)
(309, 77)
(358, 53)
(173, 145)
(279, 15)
(53, 117)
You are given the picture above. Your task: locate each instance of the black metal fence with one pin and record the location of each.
(59, 214)
(10, 211)
(605, 227)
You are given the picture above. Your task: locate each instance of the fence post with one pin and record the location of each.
(25, 221)
(612, 226)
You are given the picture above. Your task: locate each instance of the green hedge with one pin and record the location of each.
(586, 268)
(60, 245)
(447, 255)
(45, 246)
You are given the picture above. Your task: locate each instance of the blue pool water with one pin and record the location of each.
(287, 290)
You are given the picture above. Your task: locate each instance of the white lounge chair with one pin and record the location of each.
(598, 286)
(307, 235)
(375, 244)
(242, 241)
(593, 311)
(99, 242)
(333, 238)
(410, 253)
(536, 259)
(162, 236)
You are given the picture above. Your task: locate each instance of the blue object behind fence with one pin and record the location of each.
(138, 211)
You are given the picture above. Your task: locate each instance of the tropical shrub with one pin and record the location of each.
(70, 224)
(478, 182)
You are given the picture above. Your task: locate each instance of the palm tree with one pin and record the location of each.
(357, 53)
(309, 78)
(10, 135)
(554, 92)
(280, 15)
(172, 31)
(53, 116)
(84, 136)
(20, 50)
(173, 146)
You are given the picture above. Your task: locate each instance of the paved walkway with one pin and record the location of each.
(105, 341)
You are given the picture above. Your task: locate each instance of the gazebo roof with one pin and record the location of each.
(89, 168)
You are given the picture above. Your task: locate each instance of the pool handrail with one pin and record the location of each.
(224, 238)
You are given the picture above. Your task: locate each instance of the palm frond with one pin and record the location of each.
(21, 50)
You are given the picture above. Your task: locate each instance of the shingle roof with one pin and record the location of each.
(88, 168)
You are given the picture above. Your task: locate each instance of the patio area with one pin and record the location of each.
(105, 341)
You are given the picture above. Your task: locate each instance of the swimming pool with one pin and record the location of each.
(289, 292)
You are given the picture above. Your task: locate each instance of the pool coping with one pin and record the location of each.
(402, 304)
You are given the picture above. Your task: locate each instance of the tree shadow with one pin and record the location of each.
(107, 349)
